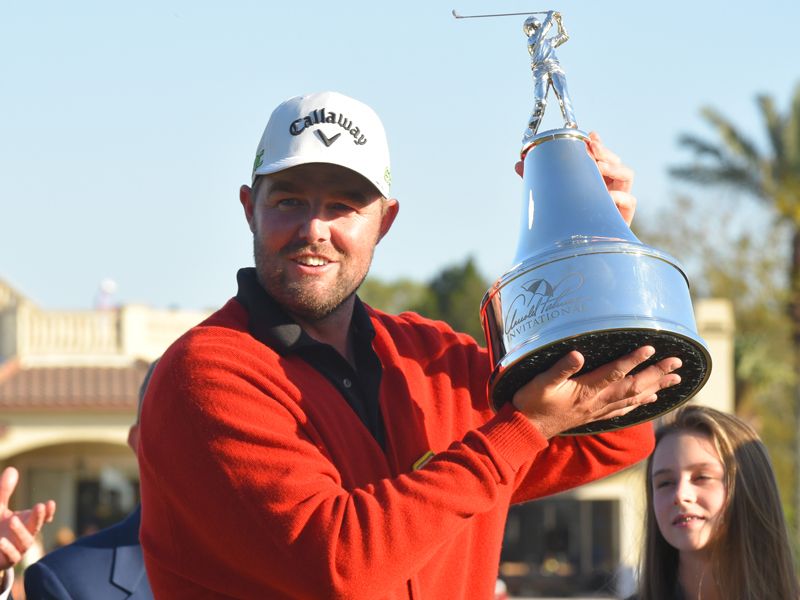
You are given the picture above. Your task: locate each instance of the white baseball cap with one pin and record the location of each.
(326, 127)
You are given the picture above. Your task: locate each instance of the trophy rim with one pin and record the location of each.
(515, 355)
(553, 134)
(511, 359)
(574, 247)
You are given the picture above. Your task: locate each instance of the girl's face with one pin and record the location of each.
(688, 489)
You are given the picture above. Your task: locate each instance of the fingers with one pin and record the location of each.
(15, 542)
(558, 399)
(22, 536)
(49, 511)
(616, 175)
(616, 370)
(34, 518)
(18, 529)
(614, 171)
(651, 380)
(599, 150)
(615, 390)
(9, 555)
(623, 407)
(8, 482)
(621, 397)
(626, 204)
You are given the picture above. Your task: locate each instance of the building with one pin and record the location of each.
(69, 383)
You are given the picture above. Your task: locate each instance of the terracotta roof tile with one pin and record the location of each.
(70, 387)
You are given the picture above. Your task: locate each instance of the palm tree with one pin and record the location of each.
(774, 180)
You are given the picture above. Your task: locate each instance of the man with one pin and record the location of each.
(306, 445)
(546, 70)
(18, 529)
(102, 566)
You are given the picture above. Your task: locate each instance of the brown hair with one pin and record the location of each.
(751, 557)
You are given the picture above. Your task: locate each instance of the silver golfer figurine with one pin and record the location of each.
(547, 70)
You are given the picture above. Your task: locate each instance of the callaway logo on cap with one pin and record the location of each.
(326, 127)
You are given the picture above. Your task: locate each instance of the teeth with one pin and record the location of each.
(686, 519)
(312, 261)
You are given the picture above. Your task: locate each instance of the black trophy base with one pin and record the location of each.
(602, 347)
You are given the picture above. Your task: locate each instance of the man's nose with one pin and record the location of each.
(315, 228)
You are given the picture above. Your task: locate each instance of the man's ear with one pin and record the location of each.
(133, 438)
(248, 204)
(390, 209)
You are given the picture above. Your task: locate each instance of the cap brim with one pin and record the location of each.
(295, 161)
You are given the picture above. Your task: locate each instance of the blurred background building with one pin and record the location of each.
(69, 383)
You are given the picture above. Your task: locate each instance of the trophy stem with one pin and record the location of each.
(565, 199)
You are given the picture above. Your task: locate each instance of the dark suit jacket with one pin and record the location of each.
(107, 565)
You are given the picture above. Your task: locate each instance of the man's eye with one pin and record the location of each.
(287, 203)
(663, 483)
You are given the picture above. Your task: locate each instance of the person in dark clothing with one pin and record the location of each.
(107, 565)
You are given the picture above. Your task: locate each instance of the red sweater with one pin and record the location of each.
(258, 480)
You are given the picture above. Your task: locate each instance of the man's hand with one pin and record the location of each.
(555, 401)
(19, 528)
(617, 177)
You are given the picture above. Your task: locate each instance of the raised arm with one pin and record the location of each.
(539, 34)
(562, 35)
(548, 21)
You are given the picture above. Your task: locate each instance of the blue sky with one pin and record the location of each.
(127, 128)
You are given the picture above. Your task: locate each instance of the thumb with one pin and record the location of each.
(565, 368)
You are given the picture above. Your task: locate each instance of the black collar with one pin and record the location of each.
(271, 325)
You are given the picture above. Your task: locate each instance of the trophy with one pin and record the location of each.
(581, 280)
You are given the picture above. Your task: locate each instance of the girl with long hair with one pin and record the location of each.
(715, 528)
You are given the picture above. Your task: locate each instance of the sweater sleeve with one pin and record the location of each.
(572, 461)
(235, 478)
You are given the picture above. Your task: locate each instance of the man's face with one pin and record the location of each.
(315, 228)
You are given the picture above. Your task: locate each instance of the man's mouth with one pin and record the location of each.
(312, 261)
